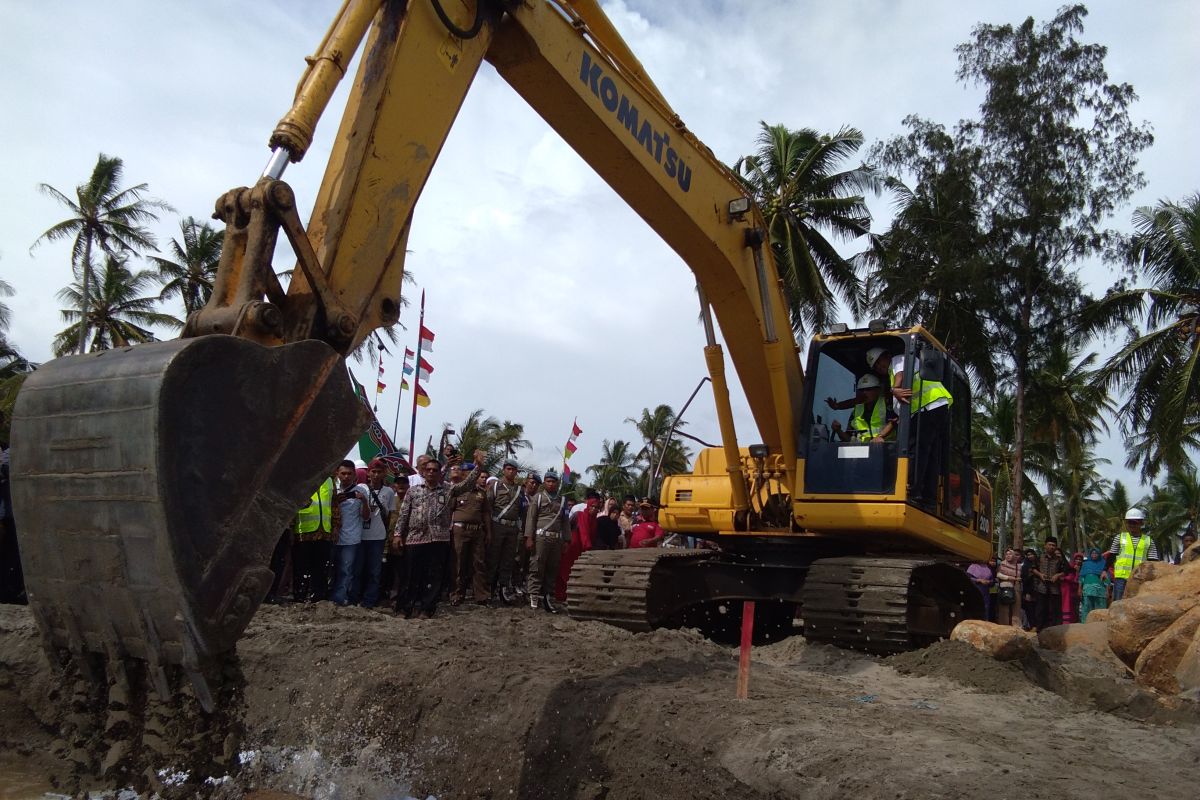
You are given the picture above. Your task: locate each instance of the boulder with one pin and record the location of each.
(1133, 624)
(1157, 665)
(1001, 642)
(1145, 573)
(1187, 673)
(1085, 640)
(1191, 555)
(1181, 581)
(1097, 615)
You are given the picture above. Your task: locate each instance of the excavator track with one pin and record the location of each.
(617, 587)
(885, 605)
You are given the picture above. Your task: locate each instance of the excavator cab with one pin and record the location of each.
(859, 447)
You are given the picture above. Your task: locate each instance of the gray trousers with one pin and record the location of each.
(543, 571)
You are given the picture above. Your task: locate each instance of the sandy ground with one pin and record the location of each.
(479, 703)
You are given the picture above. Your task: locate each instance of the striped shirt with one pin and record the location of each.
(1151, 554)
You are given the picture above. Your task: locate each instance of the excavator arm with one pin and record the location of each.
(152, 482)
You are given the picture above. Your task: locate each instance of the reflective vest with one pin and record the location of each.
(924, 392)
(319, 511)
(866, 429)
(1130, 554)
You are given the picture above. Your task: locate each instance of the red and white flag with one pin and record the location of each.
(424, 370)
(426, 340)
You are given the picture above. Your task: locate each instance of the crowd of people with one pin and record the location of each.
(449, 531)
(1035, 590)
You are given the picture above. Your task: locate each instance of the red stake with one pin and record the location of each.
(743, 684)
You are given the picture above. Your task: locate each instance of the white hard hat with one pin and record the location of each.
(873, 355)
(1135, 513)
(868, 381)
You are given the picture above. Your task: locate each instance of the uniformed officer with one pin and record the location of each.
(545, 525)
(471, 528)
(505, 496)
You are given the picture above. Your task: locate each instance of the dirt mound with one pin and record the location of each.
(515, 703)
(963, 664)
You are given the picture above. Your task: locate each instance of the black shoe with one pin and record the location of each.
(548, 604)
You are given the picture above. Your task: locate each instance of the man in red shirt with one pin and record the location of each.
(647, 533)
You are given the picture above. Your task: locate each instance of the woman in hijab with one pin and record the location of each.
(1070, 590)
(1008, 589)
(1093, 583)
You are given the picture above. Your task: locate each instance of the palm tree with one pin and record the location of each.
(479, 432)
(1066, 416)
(1159, 369)
(794, 179)
(11, 361)
(614, 473)
(193, 266)
(119, 313)
(1174, 509)
(924, 268)
(1110, 514)
(993, 443)
(102, 215)
(511, 437)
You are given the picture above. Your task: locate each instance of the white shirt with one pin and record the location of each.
(416, 479)
(377, 529)
(897, 368)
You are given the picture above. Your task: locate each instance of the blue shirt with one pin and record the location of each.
(352, 522)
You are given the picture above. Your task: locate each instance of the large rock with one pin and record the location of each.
(1181, 581)
(1187, 673)
(1097, 615)
(1145, 573)
(1133, 624)
(1192, 554)
(1156, 666)
(1001, 642)
(1087, 640)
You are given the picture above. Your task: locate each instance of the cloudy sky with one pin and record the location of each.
(549, 298)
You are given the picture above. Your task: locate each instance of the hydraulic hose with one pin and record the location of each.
(469, 33)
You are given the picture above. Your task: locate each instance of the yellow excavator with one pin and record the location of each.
(152, 481)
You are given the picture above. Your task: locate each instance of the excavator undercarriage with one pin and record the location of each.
(880, 605)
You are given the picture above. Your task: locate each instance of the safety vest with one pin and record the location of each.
(1130, 554)
(318, 512)
(867, 429)
(924, 392)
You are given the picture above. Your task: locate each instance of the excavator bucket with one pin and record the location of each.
(151, 484)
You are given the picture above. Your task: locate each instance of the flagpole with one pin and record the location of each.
(412, 432)
(399, 402)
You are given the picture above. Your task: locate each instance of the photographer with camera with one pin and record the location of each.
(354, 510)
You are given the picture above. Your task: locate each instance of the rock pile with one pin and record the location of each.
(1153, 634)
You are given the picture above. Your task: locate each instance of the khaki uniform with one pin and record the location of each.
(506, 531)
(471, 524)
(546, 523)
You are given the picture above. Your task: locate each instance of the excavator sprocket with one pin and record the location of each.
(151, 484)
(885, 605)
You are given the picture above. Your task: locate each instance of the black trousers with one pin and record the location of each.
(425, 565)
(929, 438)
(310, 570)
